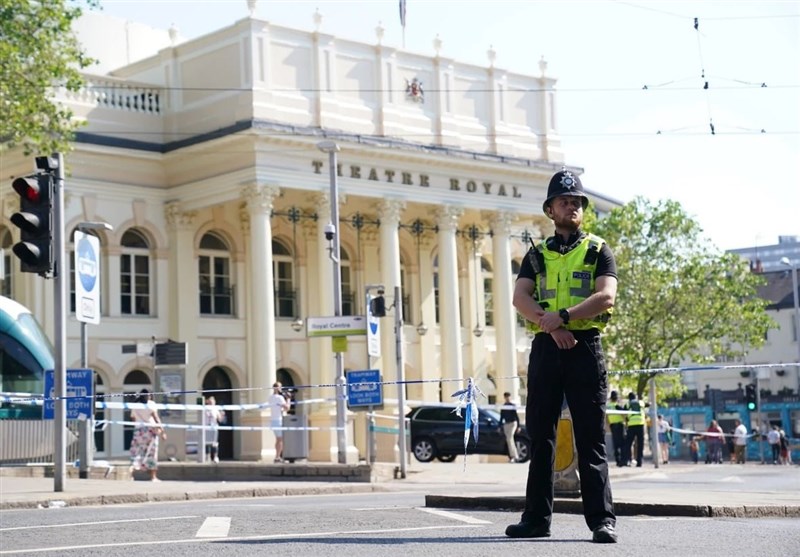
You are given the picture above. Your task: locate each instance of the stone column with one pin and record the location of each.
(449, 313)
(389, 214)
(505, 360)
(259, 200)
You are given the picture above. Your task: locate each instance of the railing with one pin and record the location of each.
(217, 300)
(286, 303)
(117, 94)
(32, 441)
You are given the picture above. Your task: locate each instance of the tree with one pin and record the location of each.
(40, 55)
(678, 297)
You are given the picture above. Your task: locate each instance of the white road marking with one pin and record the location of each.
(732, 479)
(239, 539)
(391, 508)
(454, 516)
(214, 527)
(95, 523)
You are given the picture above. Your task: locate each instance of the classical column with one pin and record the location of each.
(505, 360)
(261, 315)
(389, 212)
(449, 314)
(183, 300)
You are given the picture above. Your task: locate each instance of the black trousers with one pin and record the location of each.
(579, 374)
(618, 439)
(635, 433)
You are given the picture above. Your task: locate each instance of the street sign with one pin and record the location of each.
(373, 334)
(364, 389)
(345, 325)
(87, 278)
(80, 394)
(170, 354)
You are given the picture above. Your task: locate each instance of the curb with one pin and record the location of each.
(571, 506)
(176, 496)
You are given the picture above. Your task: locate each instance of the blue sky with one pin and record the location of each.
(743, 186)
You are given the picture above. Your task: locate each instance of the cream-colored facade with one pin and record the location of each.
(204, 159)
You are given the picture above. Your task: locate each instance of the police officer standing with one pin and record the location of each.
(565, 289)
(636, 422)
(616, 423)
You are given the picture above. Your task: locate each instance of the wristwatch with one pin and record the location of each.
(564, 314)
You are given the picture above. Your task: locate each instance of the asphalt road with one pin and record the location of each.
(368, 525)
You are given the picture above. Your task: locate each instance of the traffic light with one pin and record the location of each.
(750, 396)
(35, 221)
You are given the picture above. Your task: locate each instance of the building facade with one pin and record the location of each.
(204, 158)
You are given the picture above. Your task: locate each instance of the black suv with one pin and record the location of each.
(437, 432)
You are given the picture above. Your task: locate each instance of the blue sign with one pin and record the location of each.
(80, 394)
(87, 264)
(364, 388)
(87, 278)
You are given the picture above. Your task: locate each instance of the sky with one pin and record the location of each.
(741, 184)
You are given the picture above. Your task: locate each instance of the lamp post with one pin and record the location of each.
(332, 235)
(86, 427)
(785, 261)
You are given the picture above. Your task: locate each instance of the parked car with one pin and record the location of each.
(437, 432)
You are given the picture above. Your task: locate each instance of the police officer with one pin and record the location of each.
(616, 423)
(636, 422)
(565, 289)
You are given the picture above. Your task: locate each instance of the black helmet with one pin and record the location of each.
(564, 183)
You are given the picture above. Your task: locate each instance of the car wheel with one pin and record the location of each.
(523, 450)
(424, 449)
(446, 457)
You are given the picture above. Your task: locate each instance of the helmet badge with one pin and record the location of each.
(567, 180)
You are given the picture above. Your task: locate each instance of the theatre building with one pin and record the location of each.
(204, 155)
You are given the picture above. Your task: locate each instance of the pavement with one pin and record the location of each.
(475, 485)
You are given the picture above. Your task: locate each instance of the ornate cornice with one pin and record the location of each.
(178, 219)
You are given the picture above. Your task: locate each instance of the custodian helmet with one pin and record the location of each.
(564, 183)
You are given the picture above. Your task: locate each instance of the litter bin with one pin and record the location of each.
(295, 441)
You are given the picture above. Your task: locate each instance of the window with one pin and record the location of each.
(99, 414)
(214, 275)
(283, 274)
(348, 295)
(488, 300)
(134, 274)
(5, 244)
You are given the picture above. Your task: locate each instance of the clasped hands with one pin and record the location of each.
(552, 323)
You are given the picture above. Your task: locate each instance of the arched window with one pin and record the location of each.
(283, 274)
(214, 276)
(348, 295)
(135, 276)
(100, 390)
(488, 300)
(5, 243)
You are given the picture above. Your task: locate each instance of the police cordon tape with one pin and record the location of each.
(18, 397)
(196, 427)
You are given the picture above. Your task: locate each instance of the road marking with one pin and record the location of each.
(454, 516)
(389, 508)
(95, 523)
(214, 527)
(732, 479)
(239, 539)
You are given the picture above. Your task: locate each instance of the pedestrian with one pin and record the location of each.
(214, 415)
(740, 442)
(786, 456)
(278, 407)
(715, 437)
(636, 421)
(774, 440)
(566, 289)
(510, 420)
(146, 435)
(663, 428)
(694, 449)
(616, 423)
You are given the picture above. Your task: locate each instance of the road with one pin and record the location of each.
(368, 525)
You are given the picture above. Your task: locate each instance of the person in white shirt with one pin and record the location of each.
(279, 406)
(214, 415)
(663, 438)
(740, 442)
(774, 440)
(144, 446)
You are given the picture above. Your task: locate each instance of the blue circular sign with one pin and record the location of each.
(87, 264)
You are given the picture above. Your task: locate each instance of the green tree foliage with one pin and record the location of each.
(39, 55)
(678, 299)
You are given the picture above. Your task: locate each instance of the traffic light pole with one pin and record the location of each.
(60, 371)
